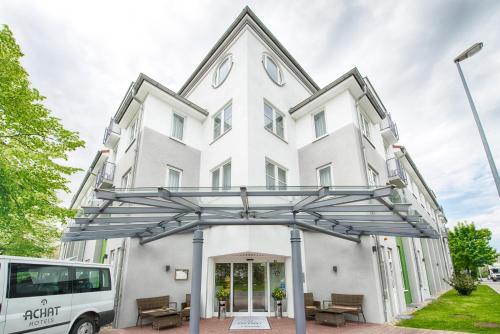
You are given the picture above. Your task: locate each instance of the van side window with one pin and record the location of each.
(31, 280)
(91, 280)
(86, 280)
(106, 279)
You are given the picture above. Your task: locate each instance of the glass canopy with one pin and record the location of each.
(154, 213)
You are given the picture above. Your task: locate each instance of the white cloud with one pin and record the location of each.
(83, 55)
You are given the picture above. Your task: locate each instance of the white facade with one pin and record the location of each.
(352, 145)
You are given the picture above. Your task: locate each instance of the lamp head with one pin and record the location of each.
(469, 52)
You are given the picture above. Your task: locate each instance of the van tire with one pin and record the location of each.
(84, 325)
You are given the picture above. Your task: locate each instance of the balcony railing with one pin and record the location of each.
(111, 133)
(396, 173)
(105, 175)
(387, 126)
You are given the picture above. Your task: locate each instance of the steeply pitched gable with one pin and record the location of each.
(248, 18)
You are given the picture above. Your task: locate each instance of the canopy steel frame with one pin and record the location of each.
(154, 213)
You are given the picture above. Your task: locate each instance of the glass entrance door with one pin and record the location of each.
(249, 286)
(240, 287)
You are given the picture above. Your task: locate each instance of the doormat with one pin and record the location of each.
(250, 323)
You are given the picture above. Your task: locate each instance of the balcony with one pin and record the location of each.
(111, 134)
(105, 176)
(389, 130)
(396, 173)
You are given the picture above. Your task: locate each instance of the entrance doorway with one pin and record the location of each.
(250, 285)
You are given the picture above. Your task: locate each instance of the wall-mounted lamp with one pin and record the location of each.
(335, 269)
(167, 268)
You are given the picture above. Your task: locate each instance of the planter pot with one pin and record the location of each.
(279, 309)
(222, 309)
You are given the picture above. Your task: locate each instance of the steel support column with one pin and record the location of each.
(298, 286)
(194, 313)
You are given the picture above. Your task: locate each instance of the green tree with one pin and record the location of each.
(470, 247)
(33, 148)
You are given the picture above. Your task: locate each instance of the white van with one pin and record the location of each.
(54, 297)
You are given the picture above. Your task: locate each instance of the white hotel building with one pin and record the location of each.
(250, 115)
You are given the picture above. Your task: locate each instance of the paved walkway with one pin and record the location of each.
(278, 326)
(494, 285)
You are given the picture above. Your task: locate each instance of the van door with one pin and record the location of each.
(92, 292)
(2, 295)
(38, 299)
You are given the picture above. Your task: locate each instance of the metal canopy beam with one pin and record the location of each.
(154, 213)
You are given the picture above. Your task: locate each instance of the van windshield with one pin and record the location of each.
(495, 270)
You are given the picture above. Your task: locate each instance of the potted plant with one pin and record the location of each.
(222, 295)
(278, 295)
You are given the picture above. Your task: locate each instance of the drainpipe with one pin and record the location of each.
(376, 238)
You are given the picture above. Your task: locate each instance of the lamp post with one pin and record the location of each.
(464, 55)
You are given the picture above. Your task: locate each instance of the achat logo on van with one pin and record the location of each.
(43, 312)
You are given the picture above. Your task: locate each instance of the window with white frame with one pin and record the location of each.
(319, 124)
(365, 125)
(126, 182)
(275, 176)
(222, 71)
(132, 130)
(173, 177)
(221, 177)
(274, 120)
(177, 126)
(223, 121)
(372, 177)
(272, 69)
(325, 176)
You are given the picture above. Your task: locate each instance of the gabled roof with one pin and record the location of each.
(359, 79)
(137, 85)
(248, 17)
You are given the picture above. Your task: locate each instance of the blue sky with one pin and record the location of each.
(82, 55)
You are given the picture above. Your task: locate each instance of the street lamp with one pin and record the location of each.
(464, 55)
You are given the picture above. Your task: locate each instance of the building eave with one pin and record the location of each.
(359, 79)
(135, 86)
(246, 17)
(421, 178)
(86, 177)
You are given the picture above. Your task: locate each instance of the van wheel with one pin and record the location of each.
(84, 326)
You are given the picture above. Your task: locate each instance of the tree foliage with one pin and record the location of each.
(470, 247)
(33, 146)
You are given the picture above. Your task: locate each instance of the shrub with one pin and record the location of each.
(463, 283)
(278, 294)
(222, 294)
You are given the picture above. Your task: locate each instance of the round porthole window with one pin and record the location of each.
(272, 69)
(222, 71)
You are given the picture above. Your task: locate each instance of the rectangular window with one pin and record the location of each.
(132, 131)
(31, 280)
(274, 121)
(173, 180)
(223, 121)
(275, 176)
(221, 177)
(372, 177)
(127, 180)
(319, 124)
(365, 126)
(91, 280)
(325, 176)
(177, 127)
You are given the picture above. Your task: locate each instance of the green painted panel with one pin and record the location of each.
(103, 250)
(404, 267)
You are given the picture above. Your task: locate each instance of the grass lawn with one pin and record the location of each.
(477, 313)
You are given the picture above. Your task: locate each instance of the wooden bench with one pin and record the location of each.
(352, 304)
(147, 307)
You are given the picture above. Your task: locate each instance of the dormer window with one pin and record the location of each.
(272, 69)
(222, 71)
